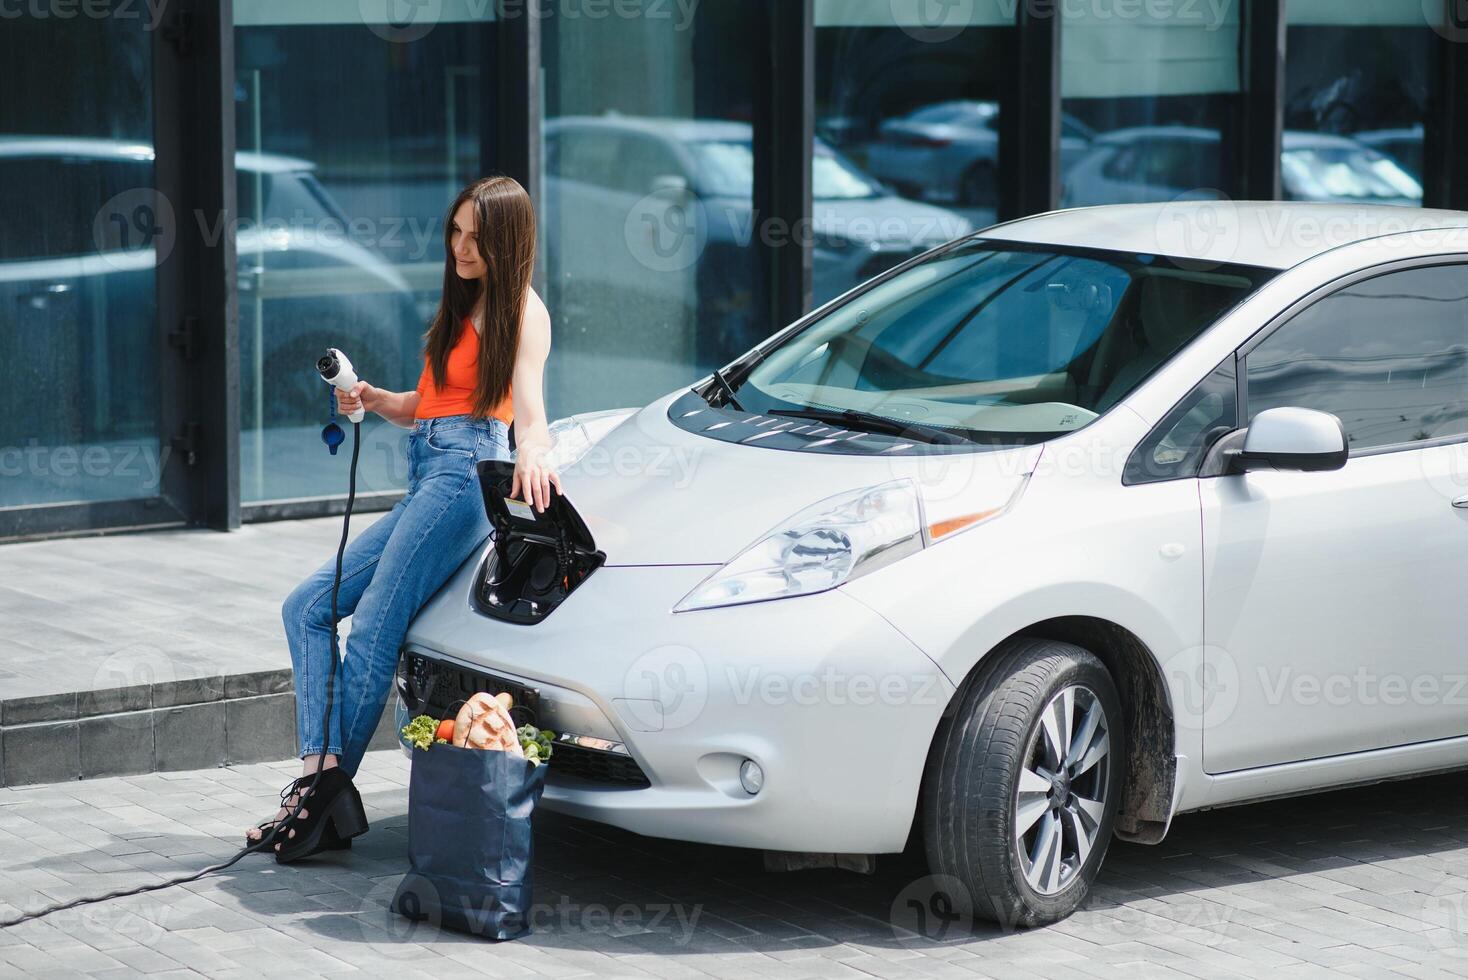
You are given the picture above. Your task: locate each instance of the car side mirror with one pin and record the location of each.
(1293, 439)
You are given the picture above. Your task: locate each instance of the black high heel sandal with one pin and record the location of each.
(330, 841)
(333, 810)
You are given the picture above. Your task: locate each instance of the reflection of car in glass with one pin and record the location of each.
(1155, 163)
(303, 283)
(949, 151)
(1062, 529)
(1403, 145)
(662, 208)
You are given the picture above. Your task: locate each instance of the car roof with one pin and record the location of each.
(1271, 234)
(680, 130)
(107, 149)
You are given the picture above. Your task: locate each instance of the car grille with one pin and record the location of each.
(435, 688)
(597, 766)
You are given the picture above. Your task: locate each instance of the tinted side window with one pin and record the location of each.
(642, 160)
(1176, 446)
(1388, 356)
(1121, 165)
(586, 155)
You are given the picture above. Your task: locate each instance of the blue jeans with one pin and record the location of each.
(388, 572)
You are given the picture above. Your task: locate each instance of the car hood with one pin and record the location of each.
(652, 493)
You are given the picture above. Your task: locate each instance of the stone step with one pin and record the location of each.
(172, 725)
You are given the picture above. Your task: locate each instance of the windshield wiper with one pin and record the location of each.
(867, 422)
(729, 398)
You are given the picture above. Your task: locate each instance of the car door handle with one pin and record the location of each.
(1461, 502)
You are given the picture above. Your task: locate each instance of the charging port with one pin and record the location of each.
(539, 558)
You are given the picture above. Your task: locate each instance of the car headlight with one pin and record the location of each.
(573, 435)
(828, 543)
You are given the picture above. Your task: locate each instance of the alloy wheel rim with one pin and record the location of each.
(1062, 790)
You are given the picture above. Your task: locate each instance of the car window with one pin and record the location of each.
(50, 206)
(1180, 164)
(1176, 446)
(589, 156)
(286, 197)
(997, 342)
(1387, 356)
(642, 159)
(1121, 165)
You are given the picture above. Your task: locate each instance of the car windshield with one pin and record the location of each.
(1357, 173)
(997, 342)
(726, 169)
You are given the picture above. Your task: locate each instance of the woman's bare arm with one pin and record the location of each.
(533, 477)
(395, 406)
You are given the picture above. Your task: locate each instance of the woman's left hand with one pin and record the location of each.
(534, 478)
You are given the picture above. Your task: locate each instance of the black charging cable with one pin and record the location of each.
(301, 797)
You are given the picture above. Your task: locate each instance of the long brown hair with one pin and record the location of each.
(506, 239)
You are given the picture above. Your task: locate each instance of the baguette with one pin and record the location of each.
(484, 722)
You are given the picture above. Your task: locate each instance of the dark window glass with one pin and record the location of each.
(1155, 94)
(1387, 356)
(585, 155)
(1358, 82)
(82, 230)
(647, 215)
(907, 126)
(1176, 446)
(354, 136)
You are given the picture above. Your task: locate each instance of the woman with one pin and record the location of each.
(484, 361)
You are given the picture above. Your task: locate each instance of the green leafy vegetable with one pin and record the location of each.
(537, 743)
(420, 732)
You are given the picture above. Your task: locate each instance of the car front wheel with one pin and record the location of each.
(1023, 784)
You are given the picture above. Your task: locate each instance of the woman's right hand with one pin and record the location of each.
(362, 395)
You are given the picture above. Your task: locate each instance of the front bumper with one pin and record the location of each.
(834, 704)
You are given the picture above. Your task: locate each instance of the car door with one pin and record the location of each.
(1335, 617)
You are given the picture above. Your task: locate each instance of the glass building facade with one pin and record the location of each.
(196, 199)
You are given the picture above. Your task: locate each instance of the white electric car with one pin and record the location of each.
(1049, 534)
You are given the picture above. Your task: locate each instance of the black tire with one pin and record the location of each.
(970, 800)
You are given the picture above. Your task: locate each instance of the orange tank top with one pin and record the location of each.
(456, 397)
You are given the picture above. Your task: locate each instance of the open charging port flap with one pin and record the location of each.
(539, 558)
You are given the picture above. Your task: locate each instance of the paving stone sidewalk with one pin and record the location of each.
(1369, 882)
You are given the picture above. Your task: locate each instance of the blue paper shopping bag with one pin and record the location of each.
(470, 846)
